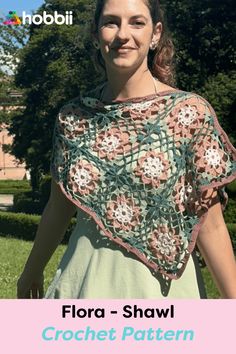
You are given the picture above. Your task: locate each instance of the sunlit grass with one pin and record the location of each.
(14, 254)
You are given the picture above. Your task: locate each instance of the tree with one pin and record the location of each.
(220, 91)
(205, 41)
(54, 67)
(12, 39)
(6, 88)
(203, 32)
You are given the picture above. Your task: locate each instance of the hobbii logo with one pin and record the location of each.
(48, 19)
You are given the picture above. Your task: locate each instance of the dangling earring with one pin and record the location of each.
(96, 45)
(153, 45)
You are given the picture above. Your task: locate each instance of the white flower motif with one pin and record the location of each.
(110, 143)
(187, 115)
(166, 244)
(213, 157)
(139, 106)
(153, 167)
(82, 178)
(123, 213)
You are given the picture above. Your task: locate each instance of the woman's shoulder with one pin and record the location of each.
(181, 94)
(182, 98)
(187, 110)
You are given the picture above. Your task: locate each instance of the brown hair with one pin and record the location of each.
(160, 60)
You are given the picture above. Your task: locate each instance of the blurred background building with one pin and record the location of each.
(10, 168)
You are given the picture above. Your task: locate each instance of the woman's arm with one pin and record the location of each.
(215, 246)
(53, 224)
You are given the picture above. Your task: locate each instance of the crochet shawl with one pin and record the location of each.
(143, 169)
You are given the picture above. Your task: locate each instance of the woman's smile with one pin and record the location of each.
(123, 50)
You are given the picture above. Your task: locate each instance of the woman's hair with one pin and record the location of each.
(160, 60)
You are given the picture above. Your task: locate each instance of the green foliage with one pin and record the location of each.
(202, 32)
(211, 290)
(45, 189)
(13, 186)
(19, 225)
(230, 211)
(232, 232)
(24, 226)
(219, 90)
(54, 67)
(31, 202)
(231, 189)
(6, 86)
(26, 202)
(12, 39)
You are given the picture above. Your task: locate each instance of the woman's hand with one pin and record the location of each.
(29, 287)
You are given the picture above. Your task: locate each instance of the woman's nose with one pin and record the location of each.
(123, 32)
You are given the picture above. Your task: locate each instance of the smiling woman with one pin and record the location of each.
(147, 164)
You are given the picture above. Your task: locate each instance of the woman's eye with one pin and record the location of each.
(139, 23)
(110, 23)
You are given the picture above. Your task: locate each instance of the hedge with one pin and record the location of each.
(24, 226)
(230, 212)
(23, 203)
(45, 189)
(28, 202)
(13, 186)
(232, 232)
(231, 189)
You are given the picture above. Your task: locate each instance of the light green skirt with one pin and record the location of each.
(95, 268)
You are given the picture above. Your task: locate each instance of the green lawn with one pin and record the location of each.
(212, 291)
(14, 253)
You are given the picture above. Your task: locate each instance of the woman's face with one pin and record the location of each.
(125, 31)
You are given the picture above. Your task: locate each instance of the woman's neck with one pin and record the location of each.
(120, 86)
